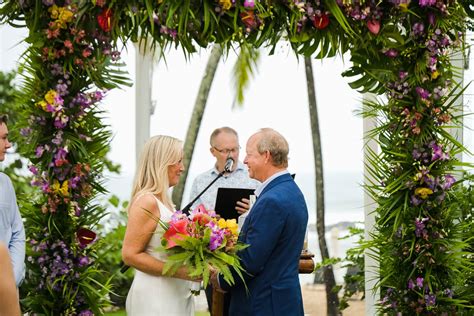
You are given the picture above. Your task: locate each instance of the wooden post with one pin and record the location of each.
(217, 303)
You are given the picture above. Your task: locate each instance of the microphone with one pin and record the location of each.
(229, 164)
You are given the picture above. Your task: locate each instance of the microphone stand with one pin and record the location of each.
(185, 210)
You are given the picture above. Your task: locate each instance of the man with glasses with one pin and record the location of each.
(224, 144)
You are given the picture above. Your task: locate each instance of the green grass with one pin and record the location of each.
(122, 313)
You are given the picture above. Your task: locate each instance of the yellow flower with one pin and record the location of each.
(226, 4)
(42, 104)
(54, 10)
(50, 96)
(230, 224)
(61, 189)
(403, 7)
(221, 223)
(65, 15)
(423, 192)
(434, 74)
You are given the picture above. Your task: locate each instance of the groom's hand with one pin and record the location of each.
(215, 281)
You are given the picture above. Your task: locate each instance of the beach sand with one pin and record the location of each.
(314, 300)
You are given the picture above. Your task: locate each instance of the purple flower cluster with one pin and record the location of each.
(420, 230)
(57, 263)
(426, 3)
(359, 11)
(399, 89)
(217, 236)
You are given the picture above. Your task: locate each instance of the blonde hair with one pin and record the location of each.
(157, 155)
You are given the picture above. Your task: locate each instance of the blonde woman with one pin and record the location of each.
(152, 293)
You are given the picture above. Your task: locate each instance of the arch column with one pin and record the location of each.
(143, 102)
(371, 272)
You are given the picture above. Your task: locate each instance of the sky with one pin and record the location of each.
(276, 97)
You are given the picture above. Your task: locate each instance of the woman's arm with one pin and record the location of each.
(140, 228)
(8, 292)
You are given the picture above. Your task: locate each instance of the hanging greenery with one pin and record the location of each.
(399, 48)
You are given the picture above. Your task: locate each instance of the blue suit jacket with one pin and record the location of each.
(275, 230)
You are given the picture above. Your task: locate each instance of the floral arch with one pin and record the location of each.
(400, 48)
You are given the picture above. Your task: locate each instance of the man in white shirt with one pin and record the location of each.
(224, 143)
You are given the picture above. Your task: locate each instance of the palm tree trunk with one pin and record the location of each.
(196, 118)
(332, 299)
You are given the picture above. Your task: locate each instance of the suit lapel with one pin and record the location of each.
(283, 178)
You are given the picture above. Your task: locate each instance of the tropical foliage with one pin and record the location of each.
(398, 47)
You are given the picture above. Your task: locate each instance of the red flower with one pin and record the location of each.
(85, 236)
(176, 231)
(321, 22)
(201, 218)
(105, 20)
(248, 18)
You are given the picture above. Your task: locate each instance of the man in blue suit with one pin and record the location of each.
(275, 230)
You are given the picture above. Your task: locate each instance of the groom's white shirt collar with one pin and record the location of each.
(259, 190)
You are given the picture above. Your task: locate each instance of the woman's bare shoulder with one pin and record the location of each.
(145, 202)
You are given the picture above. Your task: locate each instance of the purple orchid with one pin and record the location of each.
(217, 237)
(419, 282)
(449, 180)
(424, 94)
(420, 227)
(426, 3)
(430, 299)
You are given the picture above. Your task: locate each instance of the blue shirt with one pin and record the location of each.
(12, 232)
(239, 178)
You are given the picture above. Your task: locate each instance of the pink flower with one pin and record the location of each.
(86, 52)
(373, 26)
(249, 4)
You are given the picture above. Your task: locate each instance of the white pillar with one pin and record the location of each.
(458, 62)
(371, 272)
(143, 103)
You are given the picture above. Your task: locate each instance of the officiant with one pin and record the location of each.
(224, 144)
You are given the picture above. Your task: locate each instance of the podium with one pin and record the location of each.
(306, 266)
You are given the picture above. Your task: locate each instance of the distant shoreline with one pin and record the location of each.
(344, 225)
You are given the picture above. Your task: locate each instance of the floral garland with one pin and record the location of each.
(398, 47)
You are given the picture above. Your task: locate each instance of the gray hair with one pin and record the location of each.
(224, 129)
(276, 145)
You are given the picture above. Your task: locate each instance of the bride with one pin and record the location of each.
(152, 293)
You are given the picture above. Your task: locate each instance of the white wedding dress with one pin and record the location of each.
(159, 295)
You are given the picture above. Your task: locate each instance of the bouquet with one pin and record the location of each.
(201, 241)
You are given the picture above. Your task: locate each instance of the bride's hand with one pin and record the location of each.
(183, 273)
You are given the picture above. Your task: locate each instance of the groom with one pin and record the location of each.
(275, 230)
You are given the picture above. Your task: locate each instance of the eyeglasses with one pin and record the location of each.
(227, 151)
